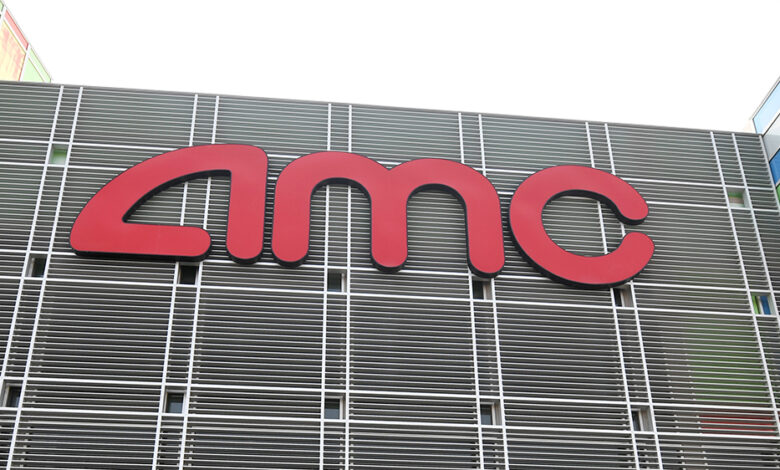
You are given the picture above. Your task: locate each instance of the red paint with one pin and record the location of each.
(388, 192)
(102, 226)
(12, 57)
(525, 219)
(12, 24)
(755, 425)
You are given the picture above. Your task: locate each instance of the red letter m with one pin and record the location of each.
(388, 192)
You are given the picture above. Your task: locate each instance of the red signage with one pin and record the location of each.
(102, 227)
(388, 191)
(525, 220)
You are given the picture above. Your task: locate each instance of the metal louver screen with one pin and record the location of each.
(425, 368)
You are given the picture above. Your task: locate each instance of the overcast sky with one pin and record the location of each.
(703, 64)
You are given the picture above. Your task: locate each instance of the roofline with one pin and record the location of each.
(752, 116)
(400, 108)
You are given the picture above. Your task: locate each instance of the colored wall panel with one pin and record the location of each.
(35, 60)
(16, 29)
(772, 138)
(766, 114)
(774, 165)
(11, 54)
(30, 74)
(17, 59)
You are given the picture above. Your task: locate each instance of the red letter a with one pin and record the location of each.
(102, 226)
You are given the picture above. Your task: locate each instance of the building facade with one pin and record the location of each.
(18, 60)
(764, 122)
(144, 363)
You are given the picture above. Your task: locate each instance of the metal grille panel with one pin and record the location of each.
(424, 368)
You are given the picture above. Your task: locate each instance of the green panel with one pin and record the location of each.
(35, 60)
(1, 5)
(58, 156)
(30, 74)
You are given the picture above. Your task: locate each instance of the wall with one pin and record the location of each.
(95, 344)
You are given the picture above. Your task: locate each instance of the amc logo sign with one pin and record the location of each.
(102, 228)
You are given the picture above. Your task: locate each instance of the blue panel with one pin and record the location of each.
(774, 165)
(767, 112)
(765, 305)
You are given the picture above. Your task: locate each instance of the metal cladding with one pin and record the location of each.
(136, 363)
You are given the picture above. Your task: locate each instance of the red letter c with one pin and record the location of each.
(525, 220)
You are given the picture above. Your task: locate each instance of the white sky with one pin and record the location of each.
(704, 64)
